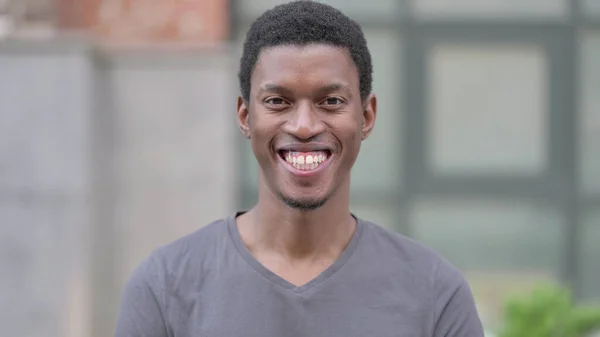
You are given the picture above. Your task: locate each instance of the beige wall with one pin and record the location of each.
(174, 152)
(119, 153)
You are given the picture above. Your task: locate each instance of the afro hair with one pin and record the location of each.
(303, 23)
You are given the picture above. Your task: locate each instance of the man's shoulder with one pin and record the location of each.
(413, 256)
(202, 237)
(192, 249)
(398, 245)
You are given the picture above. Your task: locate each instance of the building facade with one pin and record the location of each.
(487, 144)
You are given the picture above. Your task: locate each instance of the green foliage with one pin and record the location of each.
(548, 311)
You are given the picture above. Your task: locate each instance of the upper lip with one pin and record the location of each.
(304, 147)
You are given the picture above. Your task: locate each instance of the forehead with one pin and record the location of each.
(307, 65)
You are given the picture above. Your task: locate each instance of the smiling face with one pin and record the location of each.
(305, 120)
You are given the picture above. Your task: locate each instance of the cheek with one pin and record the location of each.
(354, 139)
(351, 142)
(353, 134)
(261, 139)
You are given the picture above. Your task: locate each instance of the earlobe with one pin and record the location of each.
(369, 116)
(245, 132)
(243, 117)
(362, 127)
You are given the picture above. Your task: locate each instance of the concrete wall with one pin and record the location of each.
(103, 157)
(45, 185)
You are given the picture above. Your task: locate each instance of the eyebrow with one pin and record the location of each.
(334, 87)
(276, 88)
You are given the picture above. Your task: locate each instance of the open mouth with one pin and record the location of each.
(305, 161)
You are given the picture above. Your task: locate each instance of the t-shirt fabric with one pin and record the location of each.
(207, 284)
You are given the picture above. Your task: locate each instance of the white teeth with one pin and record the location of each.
(305, 161)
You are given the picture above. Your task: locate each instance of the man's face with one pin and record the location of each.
(305, 120)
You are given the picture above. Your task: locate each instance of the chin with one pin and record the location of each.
(303, 204)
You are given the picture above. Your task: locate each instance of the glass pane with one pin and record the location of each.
(487, 108)
(591, 8)
(385, 215)
(378, 165)
(247, 159)
(500, 246)
(355, 9)
(249, 165)
(511, 9)
(590, 253)
(589, 135)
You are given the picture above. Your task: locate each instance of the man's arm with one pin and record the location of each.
(140, 314)
(455, 314)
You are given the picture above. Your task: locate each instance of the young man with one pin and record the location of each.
(299, 263)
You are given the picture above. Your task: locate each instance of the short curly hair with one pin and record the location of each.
(302, 23)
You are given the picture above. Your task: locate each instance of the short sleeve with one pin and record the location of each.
(140, 312)
(455, 314)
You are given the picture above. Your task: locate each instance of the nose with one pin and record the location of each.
(305, 122)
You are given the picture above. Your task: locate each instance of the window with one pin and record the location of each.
(589, 128)
(505, 9)
(500, 246)
(589, 252)
(506, 235)
(591, 8)
(379, 162)
(481, 121)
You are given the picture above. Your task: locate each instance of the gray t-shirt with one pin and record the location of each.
(207, 284)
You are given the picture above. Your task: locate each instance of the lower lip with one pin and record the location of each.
(305, 173)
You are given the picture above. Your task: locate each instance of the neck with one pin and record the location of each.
(273, 226)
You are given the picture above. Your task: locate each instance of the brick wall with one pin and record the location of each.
(133, 22)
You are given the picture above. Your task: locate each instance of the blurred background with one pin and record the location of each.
(118, 134)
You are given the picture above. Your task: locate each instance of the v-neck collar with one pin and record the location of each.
(280, 281)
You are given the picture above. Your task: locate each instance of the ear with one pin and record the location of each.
(369, 115)
(243, 116)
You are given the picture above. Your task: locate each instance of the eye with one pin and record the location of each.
(332, 101)
(276, 101)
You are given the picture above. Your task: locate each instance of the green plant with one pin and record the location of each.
(548, 311)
